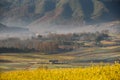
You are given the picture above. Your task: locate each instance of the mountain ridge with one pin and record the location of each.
(5, 28)
(58, 11)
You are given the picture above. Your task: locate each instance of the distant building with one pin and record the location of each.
(53, 61)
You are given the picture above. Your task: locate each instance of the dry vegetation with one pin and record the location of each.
(80, 57)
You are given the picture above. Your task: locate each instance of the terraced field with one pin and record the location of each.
(80, 57)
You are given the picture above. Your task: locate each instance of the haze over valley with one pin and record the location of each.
(45, 34)
(44, 16)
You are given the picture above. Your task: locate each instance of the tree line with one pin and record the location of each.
(51, 42)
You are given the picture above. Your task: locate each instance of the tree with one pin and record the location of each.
(101, 37)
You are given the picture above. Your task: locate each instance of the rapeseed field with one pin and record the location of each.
(108, 72)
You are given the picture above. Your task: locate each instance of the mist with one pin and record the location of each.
(15, 32)
(113, 27)
(20, 35)
(43, 29)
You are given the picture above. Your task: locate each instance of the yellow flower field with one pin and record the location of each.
(108, 72)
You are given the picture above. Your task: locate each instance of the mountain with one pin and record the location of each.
(14, 32)
(24, 12)
(4, 28)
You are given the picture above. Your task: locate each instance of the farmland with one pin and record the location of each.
(108, 72)
(81, 57)
(60, 58)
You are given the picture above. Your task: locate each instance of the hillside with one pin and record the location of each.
(58, 11)
(11, 32)
(4, 28)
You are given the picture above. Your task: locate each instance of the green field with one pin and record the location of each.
(81, 57)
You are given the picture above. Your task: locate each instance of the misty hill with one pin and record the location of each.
(14, 32)
(4, 28)
(58, 11)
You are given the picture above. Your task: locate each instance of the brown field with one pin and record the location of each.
(80, 57)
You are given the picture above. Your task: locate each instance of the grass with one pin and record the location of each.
(80, 57)
(108, 42)
(99, 72)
